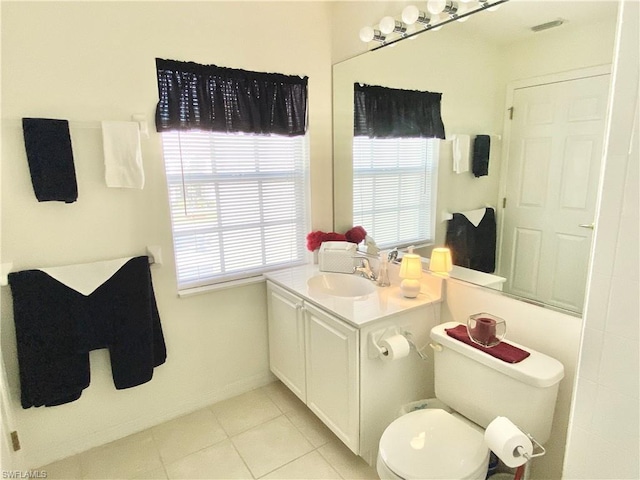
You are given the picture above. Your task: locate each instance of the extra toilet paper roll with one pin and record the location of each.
(503, 438)
(396, 346)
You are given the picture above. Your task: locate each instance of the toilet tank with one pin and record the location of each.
(482, 387)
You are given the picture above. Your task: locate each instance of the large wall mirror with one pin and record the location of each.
(545, 161)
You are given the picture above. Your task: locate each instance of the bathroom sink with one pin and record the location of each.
(341, 285)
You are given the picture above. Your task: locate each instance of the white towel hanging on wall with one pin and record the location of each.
(122, 154)
(461, 145)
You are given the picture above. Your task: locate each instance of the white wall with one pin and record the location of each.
(92, 61)
(604, 434)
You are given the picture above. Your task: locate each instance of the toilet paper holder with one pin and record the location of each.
(378, 351)
(520, 450)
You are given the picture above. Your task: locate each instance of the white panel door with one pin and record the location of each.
(286, 339)
(554, 161)
(333, 384)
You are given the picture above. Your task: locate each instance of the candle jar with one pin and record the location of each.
(486, 329)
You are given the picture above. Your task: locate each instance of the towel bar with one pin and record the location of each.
(154, 252)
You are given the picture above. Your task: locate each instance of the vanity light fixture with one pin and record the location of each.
(389, 25)
(370, 34)
(439, 6)
(411, 273)
(441, 261)
(412, 14)
(439, 13)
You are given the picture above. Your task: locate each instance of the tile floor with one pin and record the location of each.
(265, 433)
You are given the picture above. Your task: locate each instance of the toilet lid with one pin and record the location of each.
(432, 444)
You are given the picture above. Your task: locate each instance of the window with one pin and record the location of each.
(238, 203)
(394, 189)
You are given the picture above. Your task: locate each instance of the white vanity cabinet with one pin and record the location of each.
(316, 355)
(286, 339)
(333, 386)
(324, 348)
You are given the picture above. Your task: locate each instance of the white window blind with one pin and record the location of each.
(394, 189)
(238, 203)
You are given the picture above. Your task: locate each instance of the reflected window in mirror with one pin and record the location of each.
(394, 189)
(394, 163)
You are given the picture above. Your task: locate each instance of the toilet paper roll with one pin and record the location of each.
(396, 347)
(508, 442)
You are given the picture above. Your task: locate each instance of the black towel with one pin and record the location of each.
(50, 158)
(481, 151)
(473, 247)
(56, 327)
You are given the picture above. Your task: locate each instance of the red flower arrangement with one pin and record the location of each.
(353, 235)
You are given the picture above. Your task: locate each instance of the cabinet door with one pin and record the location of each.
(333, 374)
(286, 339)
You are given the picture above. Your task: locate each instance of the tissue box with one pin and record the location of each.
(336, 257)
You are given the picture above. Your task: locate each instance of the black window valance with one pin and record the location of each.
(212, 98)
(381, 112)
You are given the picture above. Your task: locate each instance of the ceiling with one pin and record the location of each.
(514, 19)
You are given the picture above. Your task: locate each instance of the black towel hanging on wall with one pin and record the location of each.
(473, 247)
(50, 157)
(56, 327)
(481, 153)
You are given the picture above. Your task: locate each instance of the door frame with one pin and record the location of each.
(569, 75)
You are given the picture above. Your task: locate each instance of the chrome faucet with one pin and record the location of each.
(364, 269)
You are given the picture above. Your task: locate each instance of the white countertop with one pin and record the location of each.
(358, 311)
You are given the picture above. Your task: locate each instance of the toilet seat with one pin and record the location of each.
(433, 444)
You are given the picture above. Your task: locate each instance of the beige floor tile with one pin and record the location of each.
(67, 468)
(180, 437)
(284, 398)
(310, 466)
(245, 411)
(346, 463)
(124, 458)
(311, 426)
(271, 445)
(220, 461)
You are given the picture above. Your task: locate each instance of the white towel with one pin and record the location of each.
(461, 145)
(122, 155)
(475, 216)
(85, 278)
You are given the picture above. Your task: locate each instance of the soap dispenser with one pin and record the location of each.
(383, 274)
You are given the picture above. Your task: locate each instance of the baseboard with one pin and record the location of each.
(94, 439)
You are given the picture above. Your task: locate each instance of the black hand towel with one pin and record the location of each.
(481, 151)
(473, 247)
(50, 158)
(56, 327)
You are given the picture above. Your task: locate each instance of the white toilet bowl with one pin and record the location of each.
(432, 444)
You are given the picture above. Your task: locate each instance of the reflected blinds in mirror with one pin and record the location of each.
(394, 185)
(382, 112)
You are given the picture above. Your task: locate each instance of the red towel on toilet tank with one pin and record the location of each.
(503, 351)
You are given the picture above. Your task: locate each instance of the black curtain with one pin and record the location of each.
(381, 112)
(208, 97)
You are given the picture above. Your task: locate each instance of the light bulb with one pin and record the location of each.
(387, 25)
(436, 6)
(366, 34)
(439, 6)
(410, 14)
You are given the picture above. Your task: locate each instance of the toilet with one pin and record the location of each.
(435, 443)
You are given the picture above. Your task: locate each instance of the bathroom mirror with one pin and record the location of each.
(483, 67)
